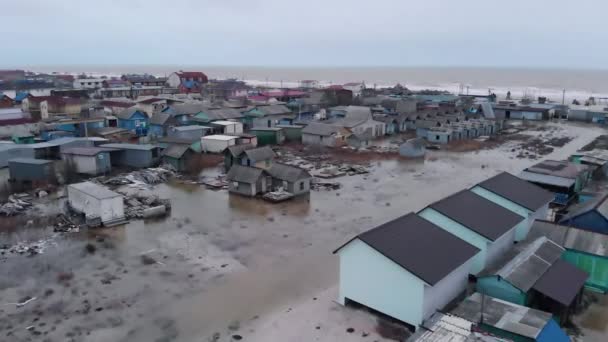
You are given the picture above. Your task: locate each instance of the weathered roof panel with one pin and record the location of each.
(244, 174)
(562, 282)
(518, 191)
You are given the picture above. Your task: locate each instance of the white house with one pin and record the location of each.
(519, 196)
(88, 83)
(96, 202)
(478, 221)
(407, 268)
(355, 87)
(217, 143)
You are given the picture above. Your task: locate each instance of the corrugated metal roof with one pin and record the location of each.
(525, 263)
(260, 153)
(482, 216)
(318, 128)
(176, 151)
(503, 315)
(598, 204)
(443, 328)
(564, 169)
(159, 118)
(547, 179)
(94, 190)
(30, 161)
(287, 172)
(128, 113)
(420, 247)
(86, 151)
(518, 191)
(236, 150)
(142, 147)
(572, 238)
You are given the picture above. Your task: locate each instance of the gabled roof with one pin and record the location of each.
(273, 110)
(223, 113)
(322, 129)
(518, 191)
(562, 168)
(571, 238)
(418, 246)
(140, 147)
(159, 118)
(287, 172)
(478, 214)
(236, 150)
(562, 282)
(260, 153)
(128, 113)
(244, 174)
(524, 264)
(598, 205)
(185, 108)
(85, 151)
(176, 150)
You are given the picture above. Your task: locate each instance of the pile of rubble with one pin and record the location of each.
(334, 171)
(64, 224)
(25, 248)
(279, 195)
(141, 206)
(318, 185)
(17, 203)
(143, 177)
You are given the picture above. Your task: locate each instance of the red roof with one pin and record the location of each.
(192, 74)
(68, 78)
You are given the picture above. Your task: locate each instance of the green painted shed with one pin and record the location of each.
(292, 132)
(268, 135)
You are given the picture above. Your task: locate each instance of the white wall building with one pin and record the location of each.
(96, 202)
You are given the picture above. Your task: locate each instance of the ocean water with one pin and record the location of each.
(579, 84)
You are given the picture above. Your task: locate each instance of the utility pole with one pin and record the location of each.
(563, 97)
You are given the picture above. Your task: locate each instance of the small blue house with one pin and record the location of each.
(407, 268)
(510, 321)
(533, 274)
(482, 223)
(590, 215)
(523, 198)
(134, 120)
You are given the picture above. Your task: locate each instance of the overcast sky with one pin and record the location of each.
(520, 33)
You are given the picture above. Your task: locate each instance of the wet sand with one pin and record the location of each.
(226, 264)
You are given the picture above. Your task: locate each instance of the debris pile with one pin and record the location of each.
(215, 183)
(318, 185)
(25, 248)
(16, 204)
(143, 177)
(279, 195)
(141, 206)
(63, 224)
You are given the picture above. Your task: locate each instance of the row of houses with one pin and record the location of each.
(417, 264)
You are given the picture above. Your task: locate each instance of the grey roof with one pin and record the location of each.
(517, 190)
(564, 169)
(159, 118)
(503, 315)
(176, 150)
(419, 246)
(562, 282)
(318, 128)
(488, 110)
(445, 328)
(287, 172)
(598, 204)
(85, 151)
(260, 153)
(572, 238)
(236, 150)
(354, 116)
(188, 108)
(244, 174)
(274, 109)
(175, 140)
(269, 129)
(223, 113)
(478, 214)
(94, 190)
(547, 179)
(127, 113)
(190, 128)
(366, 135)
(525, 263)
(30, 161)
(142, 147)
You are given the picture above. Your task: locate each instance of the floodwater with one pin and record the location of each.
(221, 260)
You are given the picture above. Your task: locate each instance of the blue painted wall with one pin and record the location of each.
(138, 123)
(552, 333)
(369, 278)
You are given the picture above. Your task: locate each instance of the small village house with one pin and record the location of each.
(194, 144)
(134, 120)
(246, 138)
(515, 194)
(87, 160)
(217, 143)
(509, 321)
(208, 115)
(565, 179)
(268, 135)
(134, 155)
(407, 268)
(180, 156)
(356, 119)
(5, 101)
(593, 113)
(13, 151)
(160, 124)
(292, 133)
(226, 127)
(151, 105)
(23, 138)
(268, 116)
(52, 149)
(290, 178)
(97, 203)
(596, 159)
(586, 250)
(321, 134)
(88, 83)
(360, 139)
(31, 170)
(52, 106)
(183, 113)
(590, 215)
(188, 81)
(439, 135)
(191, 132)
(247, 181)
(233, 155)
(534, 274)
(260, 157)
(115, 107)
(478, 221)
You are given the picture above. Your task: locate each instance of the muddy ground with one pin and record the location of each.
(224, 267)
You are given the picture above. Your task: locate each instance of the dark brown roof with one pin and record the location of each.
(419, 246)
(478, 214)
(517, 190)
(561, 282)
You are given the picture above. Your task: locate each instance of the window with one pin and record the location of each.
(301, 186)
(436, 137)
